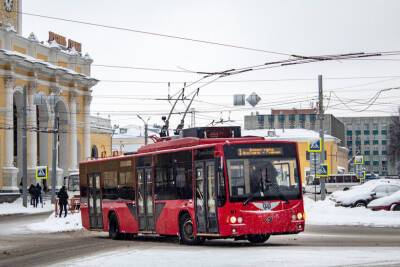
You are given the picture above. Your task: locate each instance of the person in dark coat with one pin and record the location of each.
(63, 201)
(35, 193)
(31, 193)
(39, 193)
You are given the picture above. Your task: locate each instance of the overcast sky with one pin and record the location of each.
(290, 27)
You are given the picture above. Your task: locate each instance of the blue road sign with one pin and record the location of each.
(315, 146)
(323, 170)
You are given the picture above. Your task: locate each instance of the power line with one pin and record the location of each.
(369, 102)
(154, 33)
(257, 80)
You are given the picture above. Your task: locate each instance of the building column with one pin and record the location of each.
(10, 172)
(73, 135)
(32, 133)
(86, 129)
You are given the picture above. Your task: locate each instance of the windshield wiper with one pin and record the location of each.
(249, 199)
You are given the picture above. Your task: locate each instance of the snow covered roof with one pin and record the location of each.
(41, 62)
(288, 134)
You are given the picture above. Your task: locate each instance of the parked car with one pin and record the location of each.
(391, 202)
(361, 195)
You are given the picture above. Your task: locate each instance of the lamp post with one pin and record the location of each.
(145, 128)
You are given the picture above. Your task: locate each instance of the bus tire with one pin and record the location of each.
(113, 227)
(257, 239)
(186, 231)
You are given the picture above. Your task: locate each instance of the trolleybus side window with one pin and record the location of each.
(110, 189)
(126, 184)
(174, 176)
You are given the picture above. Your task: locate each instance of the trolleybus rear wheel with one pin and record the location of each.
(258, 239)
(186, 231)
(113, 228)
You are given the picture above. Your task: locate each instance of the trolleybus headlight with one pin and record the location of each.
(233, 219)
(293, 217)
(299, 216)
(239, 219)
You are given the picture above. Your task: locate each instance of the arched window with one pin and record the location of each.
(95, 152)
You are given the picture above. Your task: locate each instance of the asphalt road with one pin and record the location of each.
(23, 249)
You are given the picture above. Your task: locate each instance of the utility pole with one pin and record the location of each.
(321, 132)
(54, 157)
(146, 126)
(24, 152)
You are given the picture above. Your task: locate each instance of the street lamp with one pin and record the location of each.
(145, 128)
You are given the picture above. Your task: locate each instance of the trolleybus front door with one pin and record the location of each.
(145, 199)
(95, 209)
(206, 200)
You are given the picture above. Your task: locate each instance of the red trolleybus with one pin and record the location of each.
(210, 183)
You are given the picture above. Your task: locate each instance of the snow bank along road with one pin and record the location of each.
(318, 246)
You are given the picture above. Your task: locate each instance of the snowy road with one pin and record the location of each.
(318, 246)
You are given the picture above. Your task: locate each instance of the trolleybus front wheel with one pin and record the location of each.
(257, 239)
(186, 231)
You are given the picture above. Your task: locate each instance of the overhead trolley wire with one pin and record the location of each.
(176, 37)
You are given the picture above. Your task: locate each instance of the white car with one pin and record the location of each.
(361, 195)
(391, 202)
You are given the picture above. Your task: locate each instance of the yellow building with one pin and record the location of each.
(56, 78)
(336, 156)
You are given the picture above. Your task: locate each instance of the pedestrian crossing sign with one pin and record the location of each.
(358, 160)
(323, 171)
(41, 172)
(314, 146)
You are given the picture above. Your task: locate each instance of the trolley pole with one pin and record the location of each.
(321, 132)
(24, 153)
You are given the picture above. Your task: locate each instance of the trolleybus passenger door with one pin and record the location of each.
(145, 199)
(95, 209)
(206, 200)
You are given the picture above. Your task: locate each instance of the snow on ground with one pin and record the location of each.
(57, 224)
(241, 256)
(325, 213)
(17, 208)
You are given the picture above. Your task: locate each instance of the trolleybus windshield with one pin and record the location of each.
(262, 171)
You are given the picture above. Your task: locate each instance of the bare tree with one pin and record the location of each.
(394, 142)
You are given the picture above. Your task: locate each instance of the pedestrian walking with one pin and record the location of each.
(36, 194)
(62, 201)
(39, 193)
(31, 193)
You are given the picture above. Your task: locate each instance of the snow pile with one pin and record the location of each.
(58, 224)
(17, 208)
(241, 256)
(325, 213)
